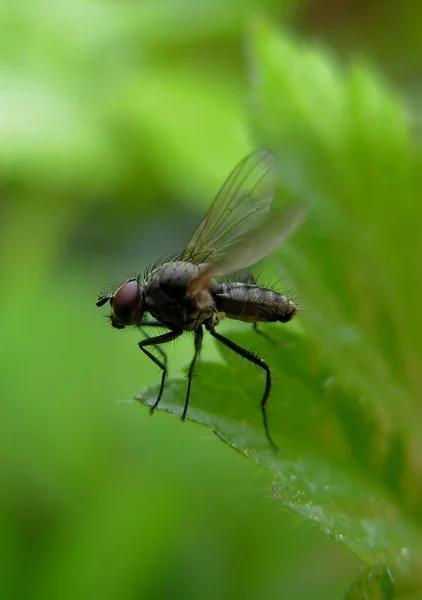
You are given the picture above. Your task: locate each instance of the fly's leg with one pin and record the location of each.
(249, 278)
(267, 337)
(199, 335)
(151, 324)
(155, 341)
(259, 362)
(141, 327)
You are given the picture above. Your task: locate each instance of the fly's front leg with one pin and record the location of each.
(199, 335)
(155, 341)
(151, 324)
(259, 362)
(142, 326)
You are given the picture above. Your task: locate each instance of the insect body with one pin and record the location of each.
(240, 228)
(254, 304)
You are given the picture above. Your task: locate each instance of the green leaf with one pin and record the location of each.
(373, 583)
(329, 468)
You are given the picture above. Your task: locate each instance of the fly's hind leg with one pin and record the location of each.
(267, 337)
(199, 335)
(249, 278)
(259, 362)
(156, 341)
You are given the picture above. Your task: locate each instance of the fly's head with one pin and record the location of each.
(127, 304)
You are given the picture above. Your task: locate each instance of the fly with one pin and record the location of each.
(240, 228)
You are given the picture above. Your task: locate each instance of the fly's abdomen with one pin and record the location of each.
(245, 302)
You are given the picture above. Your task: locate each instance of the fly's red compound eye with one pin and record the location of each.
(127, 304)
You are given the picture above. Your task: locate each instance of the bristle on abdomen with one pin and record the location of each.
(251, 303)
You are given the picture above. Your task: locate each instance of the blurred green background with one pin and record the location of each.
(118, 123)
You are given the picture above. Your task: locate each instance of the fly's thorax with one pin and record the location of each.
(171, 278)
(252, 303)
(169, 299)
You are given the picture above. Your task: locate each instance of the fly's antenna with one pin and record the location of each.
(103, 299)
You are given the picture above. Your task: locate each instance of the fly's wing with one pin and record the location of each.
(240, 228)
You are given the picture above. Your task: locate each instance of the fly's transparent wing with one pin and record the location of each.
(239, 206)
(240, 228)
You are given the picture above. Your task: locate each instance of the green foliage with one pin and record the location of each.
(118, 122)
(344, 409)
(374, 582)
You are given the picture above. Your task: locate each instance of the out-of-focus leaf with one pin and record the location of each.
(203, 135)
